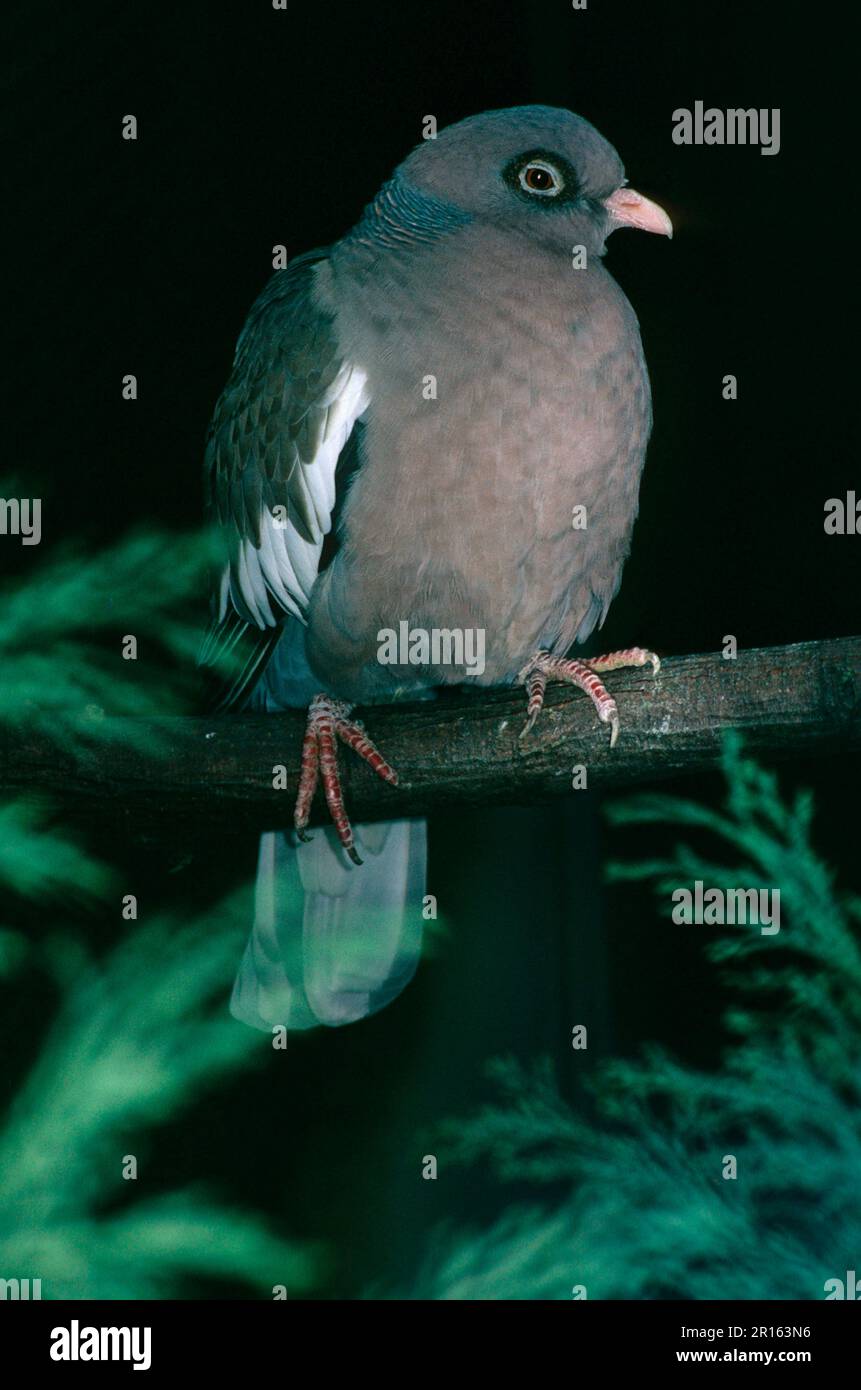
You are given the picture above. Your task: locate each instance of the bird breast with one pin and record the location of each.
(504, 439)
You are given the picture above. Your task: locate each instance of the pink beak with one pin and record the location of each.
(630, 209)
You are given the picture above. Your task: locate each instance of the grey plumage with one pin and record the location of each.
(458, 509)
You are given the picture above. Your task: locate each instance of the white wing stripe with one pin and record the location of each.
(286, 565)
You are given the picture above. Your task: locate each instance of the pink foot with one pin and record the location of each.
(328, 721)
(543, 667)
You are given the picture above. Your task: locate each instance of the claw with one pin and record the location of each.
(544, 666)
(535, 681)
(328, 721)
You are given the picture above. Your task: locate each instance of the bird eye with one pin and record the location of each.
(541, 178)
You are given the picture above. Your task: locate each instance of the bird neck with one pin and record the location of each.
(402, 214)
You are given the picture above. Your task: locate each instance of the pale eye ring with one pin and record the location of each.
(541, 179)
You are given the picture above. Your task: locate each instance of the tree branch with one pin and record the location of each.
(217, 774)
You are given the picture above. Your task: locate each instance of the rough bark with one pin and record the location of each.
(216, 774)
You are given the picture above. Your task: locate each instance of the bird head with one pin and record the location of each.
(538, 169)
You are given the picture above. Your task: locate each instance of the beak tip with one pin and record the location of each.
(631, 209)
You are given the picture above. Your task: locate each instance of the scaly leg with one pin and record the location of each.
(543, 666)
(328, 721)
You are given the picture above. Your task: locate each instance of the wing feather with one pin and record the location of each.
(272, 452)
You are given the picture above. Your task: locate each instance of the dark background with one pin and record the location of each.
(259, 127)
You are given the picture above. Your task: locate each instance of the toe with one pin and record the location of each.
(529, 725)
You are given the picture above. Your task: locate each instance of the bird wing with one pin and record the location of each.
(272, 451)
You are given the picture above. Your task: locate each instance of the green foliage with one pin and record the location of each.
(61, 637)
(632, 1204)
(138, 1034)
(39, 860)
(137, 1037)
(647, 1212)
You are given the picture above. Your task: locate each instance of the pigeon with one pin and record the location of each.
(424, 470)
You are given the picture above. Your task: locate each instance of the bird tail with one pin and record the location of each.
(332, 942)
